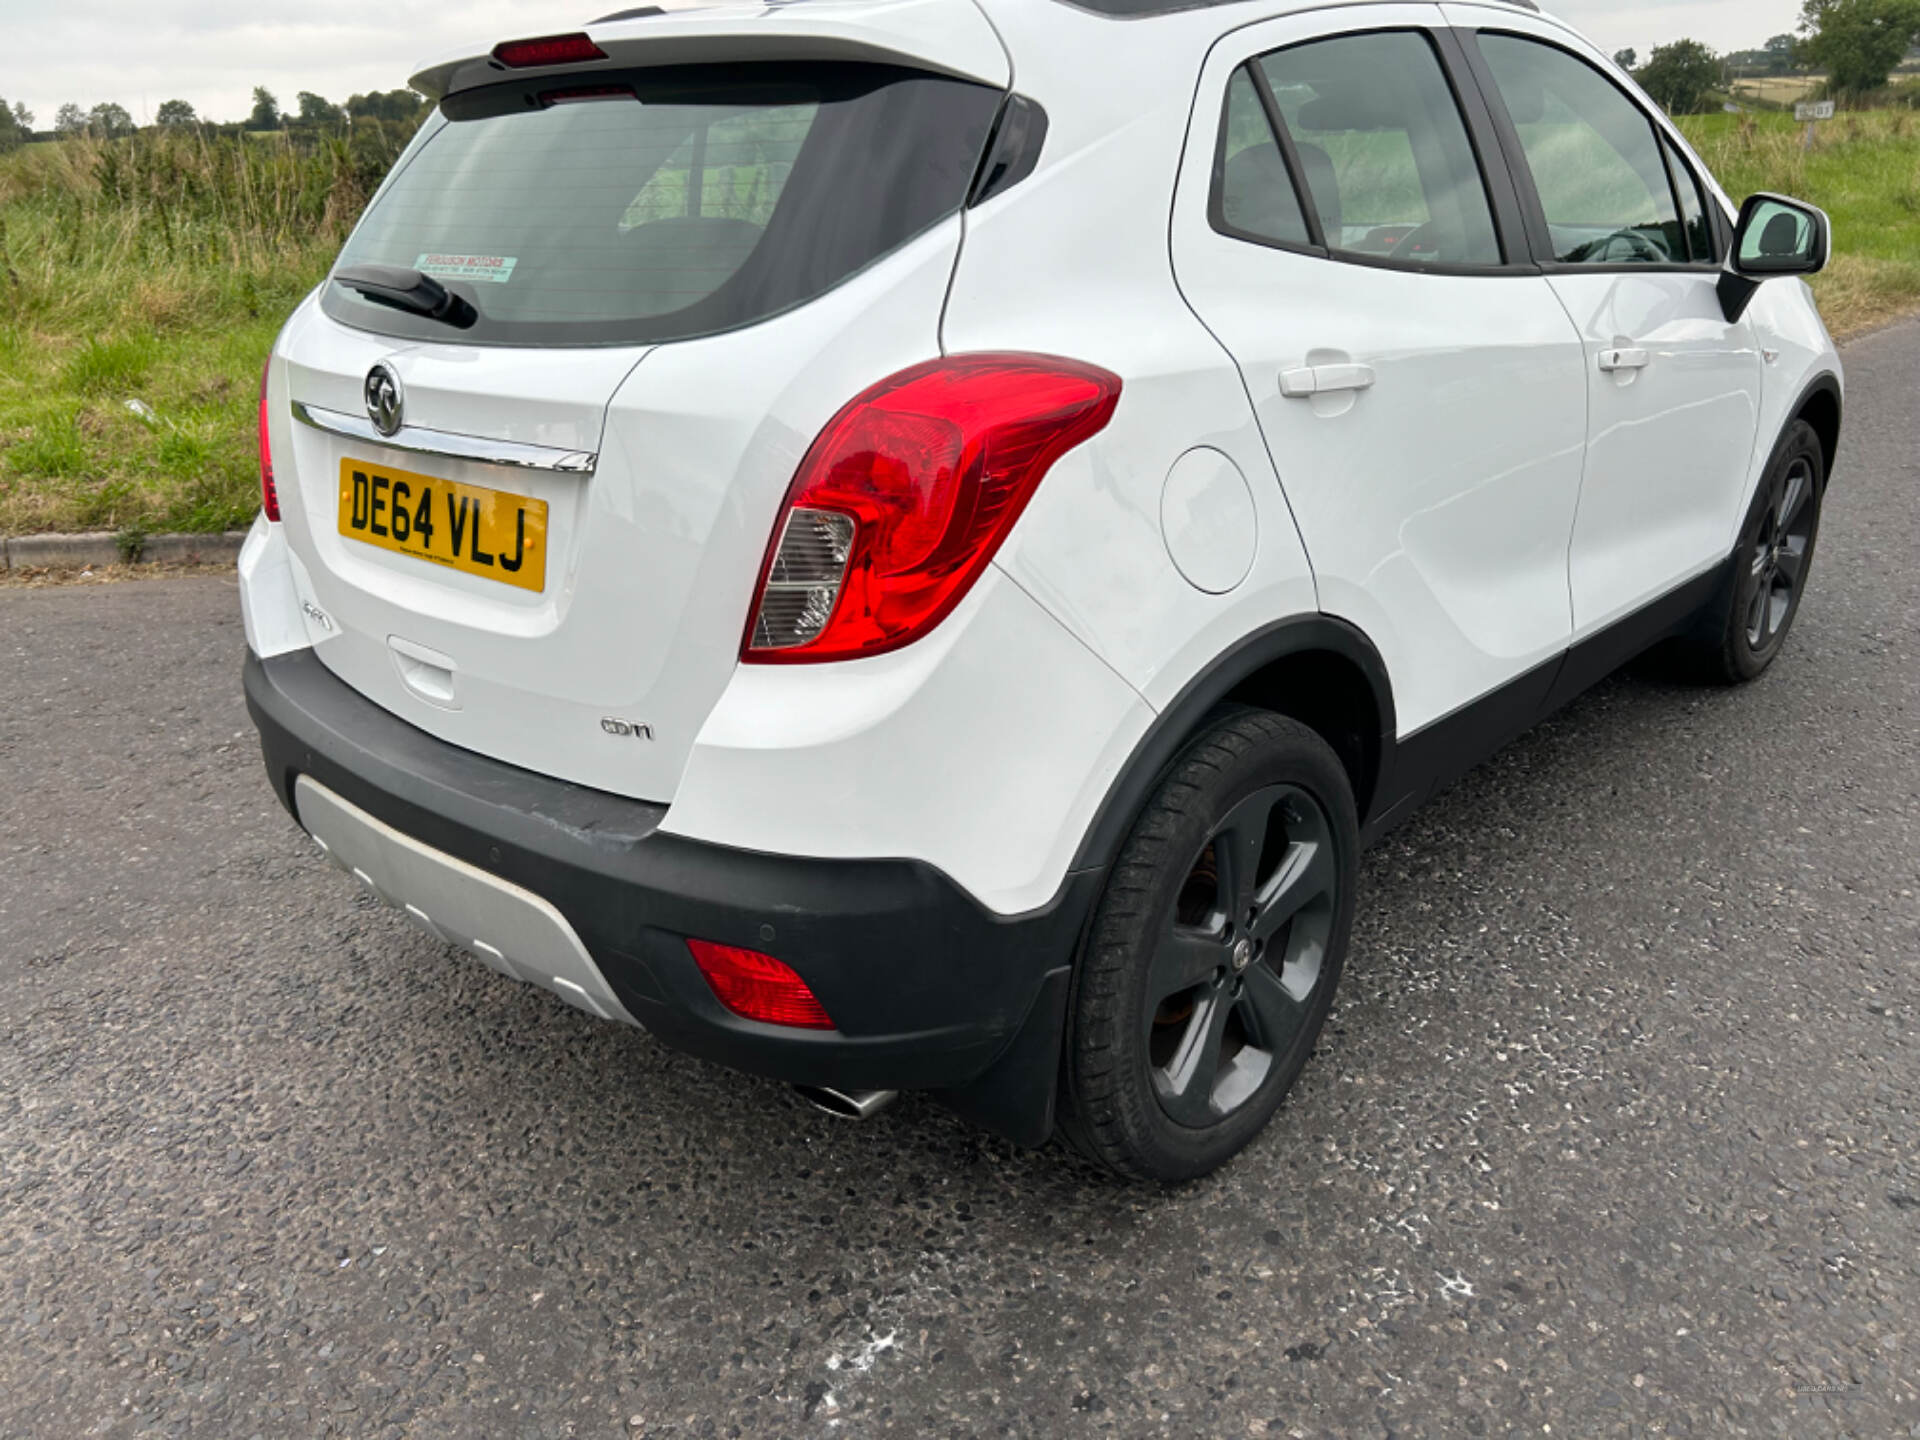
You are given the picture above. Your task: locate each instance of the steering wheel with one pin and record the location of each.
(1642, 251)
(1410, 242)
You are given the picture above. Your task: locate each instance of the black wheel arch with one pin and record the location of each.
(1821, 404)
(1317, 669)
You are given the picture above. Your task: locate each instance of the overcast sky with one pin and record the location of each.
(212, 53)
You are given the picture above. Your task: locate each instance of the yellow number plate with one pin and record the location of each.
(489, 533)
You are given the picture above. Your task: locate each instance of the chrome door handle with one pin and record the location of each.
(1624, 360)
(1322, 379)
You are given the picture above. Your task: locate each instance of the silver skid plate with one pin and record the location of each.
(512, 930)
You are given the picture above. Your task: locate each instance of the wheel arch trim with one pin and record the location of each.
(1824, 387)
(1299, 636)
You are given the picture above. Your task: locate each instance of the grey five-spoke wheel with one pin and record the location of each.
(1241, 955)
(1215, 950)
(1778, 552)
(1740, 633)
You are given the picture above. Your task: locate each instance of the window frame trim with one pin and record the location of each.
(1539, 236)
(1497, 184)
(1217, 184)
(1679, 171)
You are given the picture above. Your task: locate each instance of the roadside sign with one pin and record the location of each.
(1813, 110)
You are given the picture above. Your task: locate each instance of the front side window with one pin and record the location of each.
(1593, 154)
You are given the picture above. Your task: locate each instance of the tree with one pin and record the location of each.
(1680, 77)
(108, 120)
(318, 111)
(11, 130)
(1857, 42)
(401, 105)
(1626, 59)
(173, 113)
(22, 116)
(266, 110)
(69, 119)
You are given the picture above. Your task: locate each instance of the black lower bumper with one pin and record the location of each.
(930, 991)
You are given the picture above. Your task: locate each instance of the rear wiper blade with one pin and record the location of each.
(402, 288)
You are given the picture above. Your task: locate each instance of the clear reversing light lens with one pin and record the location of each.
(804, 580)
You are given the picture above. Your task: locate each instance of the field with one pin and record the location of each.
(140, 287)
(1776, 89)
(141, 283)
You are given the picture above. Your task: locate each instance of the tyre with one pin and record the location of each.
(1214, 951)
(1747, 626)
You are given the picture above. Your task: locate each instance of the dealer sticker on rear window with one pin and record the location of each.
(491, 269)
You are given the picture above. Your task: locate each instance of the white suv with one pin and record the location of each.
(909, 544)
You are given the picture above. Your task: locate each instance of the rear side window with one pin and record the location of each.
(1593, 154)
(1383, 149)
(666, 204)
(1252, 189)
(1366, 129)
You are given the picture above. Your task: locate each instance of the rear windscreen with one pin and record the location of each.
(659, 205)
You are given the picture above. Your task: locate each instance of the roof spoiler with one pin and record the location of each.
(947, 37)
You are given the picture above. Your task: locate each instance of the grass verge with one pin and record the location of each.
(142, 281)
(141, 284)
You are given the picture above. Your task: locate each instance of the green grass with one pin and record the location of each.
(159, 270)
(1864, 171)
(141, 284)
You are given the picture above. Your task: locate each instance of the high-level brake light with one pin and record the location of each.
(547, 50)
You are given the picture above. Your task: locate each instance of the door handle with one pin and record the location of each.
(1615, 359)
(1323, 379)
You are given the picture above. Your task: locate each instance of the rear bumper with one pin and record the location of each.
(930, 990)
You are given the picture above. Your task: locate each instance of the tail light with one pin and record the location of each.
(547, 50)
(907, 494)
(758, 987)
(269, 497)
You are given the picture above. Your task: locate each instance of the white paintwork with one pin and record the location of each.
(1208, 519)
(1788, 324)
(1073, 261)
(1430, 441)
(269, 608)
(510, 929)
(1436, 500)
(931, 752)
(1674, 394)
(1670, 435)
(652, 560)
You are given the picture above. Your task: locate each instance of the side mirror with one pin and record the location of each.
(1775, 236)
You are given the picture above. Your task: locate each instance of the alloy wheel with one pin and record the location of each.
(1779, 555)
(1236, 968)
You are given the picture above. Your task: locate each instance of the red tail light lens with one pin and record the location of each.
(547, 50)
(269, 497)
(758, 987)
(907, 494)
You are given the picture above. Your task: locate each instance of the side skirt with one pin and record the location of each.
(1436, 755)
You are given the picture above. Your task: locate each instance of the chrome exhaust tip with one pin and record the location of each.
(847, 1104)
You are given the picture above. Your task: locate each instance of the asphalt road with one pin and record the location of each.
(1615, 1131)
